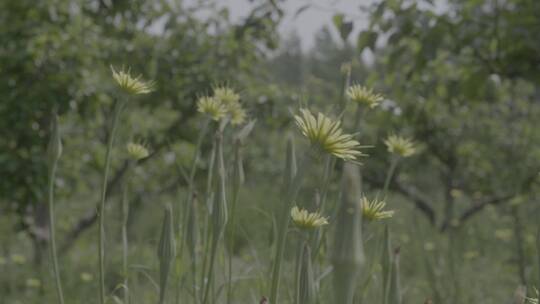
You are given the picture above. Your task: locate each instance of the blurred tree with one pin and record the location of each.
(57, 54)
(464, 78)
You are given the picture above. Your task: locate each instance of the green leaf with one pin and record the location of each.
(367, 39)
(344, 28)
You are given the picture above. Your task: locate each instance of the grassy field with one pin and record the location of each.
(213, 161)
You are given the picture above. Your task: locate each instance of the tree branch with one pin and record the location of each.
(479, 206)
(91, 216)
(419, 200)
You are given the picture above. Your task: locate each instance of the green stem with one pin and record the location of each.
(213, 252)
(345, 83)
(182, 226)
(52, 221)
(219, 215)
(282, 229)
(389, 175)
(298, 262)
(207, 229)
(232, 225)
(125, 248)
(101, 211)
(538, 261)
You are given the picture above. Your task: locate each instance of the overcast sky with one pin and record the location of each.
(311, 20)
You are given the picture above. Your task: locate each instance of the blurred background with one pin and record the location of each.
(461, 77)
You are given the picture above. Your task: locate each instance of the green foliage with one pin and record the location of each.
(460, 79)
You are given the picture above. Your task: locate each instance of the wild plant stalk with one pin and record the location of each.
(390, 174)
(166, 252)
(378, 249)
(538, 259)
(305, 291)
(209, 197)
(320, 234)
(117, 109)
(183, 228)
(192, 240)
(219, 215)
(54, 151)
(237, 181)
(386, 263)
(292, 186)
(125, 246)
(348, 252)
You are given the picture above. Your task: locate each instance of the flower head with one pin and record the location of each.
(364, 96)
(137, 151)
(226, 95)
(237, 113)
(400, 146)
(374, 210)
(328, 135)
(231, 106)
(212, 107)
(132, 85)
(303, 219)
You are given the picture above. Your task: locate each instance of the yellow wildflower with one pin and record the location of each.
(132, 85)
(304, 219)
(400, 146)
(327, 135)
(374, 210)
(364, 96)
(212, 107)
(137, 151)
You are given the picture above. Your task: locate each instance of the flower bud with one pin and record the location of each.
(306, 291)
(54, 150)
(166, 251)
(348, 253)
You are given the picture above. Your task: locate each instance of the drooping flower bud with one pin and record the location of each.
(306, 291)
(166, 251)
(54, 150)
(348, 252)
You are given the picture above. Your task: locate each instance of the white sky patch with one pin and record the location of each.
(315, 15)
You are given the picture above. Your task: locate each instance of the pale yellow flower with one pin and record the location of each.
(304, 219)
(364, 96)
(137, 151)
(238, 114)
(212, 107)
(374, 210)
(326, 134)
(400, 146)
(132, 85)
(231, 106)
(226, 95)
